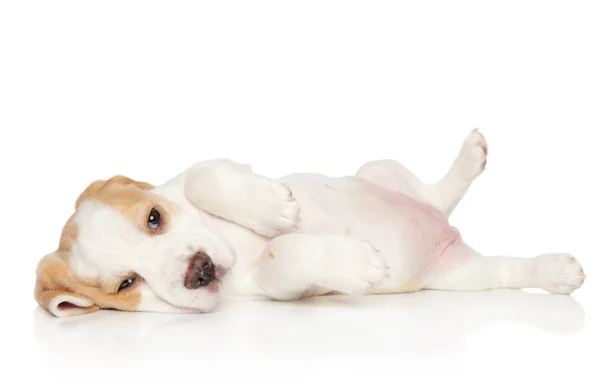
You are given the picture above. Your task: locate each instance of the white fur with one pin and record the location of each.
(109, 245)
(379, 231)
(233, 192)
(293, 263)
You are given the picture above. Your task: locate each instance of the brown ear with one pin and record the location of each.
(97, 186)
(57, 291)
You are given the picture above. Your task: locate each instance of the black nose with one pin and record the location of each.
(200, 272)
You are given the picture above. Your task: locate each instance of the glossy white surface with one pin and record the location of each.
(93, 89)
(447, 336)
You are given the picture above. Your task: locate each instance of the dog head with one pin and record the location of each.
(127, 247)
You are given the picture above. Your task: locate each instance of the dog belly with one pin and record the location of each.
(411, 235)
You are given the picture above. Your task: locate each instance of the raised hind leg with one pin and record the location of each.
(464, 269)
(447, 192)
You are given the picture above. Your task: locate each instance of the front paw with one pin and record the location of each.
(353, 266)
(275, 210)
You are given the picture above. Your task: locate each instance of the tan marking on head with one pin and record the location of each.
(111, 285)
(68, 235)
(55, 279)
(131, 199)
(98, 185)
(271, 255)
(61, 292)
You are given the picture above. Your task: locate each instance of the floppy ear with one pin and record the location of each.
(66, 304)
(97, 186)
(56, 289)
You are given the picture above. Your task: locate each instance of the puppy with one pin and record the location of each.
(219, 231)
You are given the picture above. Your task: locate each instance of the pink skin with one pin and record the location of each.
(411, 235)
(381, 228)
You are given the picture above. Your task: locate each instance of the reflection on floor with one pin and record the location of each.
(427, 322)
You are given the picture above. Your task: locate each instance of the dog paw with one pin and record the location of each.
(275, 210)
(353, 266)
(472, 160)
(558, 273)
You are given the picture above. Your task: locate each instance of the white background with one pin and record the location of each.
(93, 89)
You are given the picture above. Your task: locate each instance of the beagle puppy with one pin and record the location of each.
(218, 231)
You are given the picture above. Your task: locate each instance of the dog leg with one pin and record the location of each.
(446, 193)
(468, 165)
(233, 192)
(293, 264)
(463, 269)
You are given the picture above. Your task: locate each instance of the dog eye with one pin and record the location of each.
(126, 283)
(154, 219)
